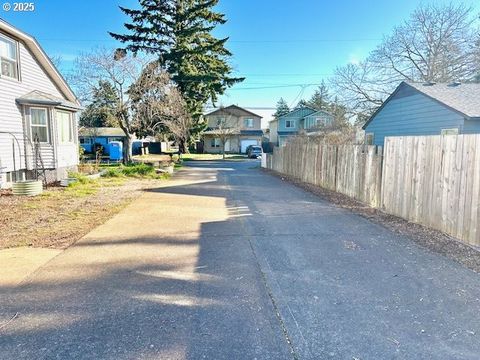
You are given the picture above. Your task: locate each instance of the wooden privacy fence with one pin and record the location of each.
(354, 170)
(431, 180)
(435, 181)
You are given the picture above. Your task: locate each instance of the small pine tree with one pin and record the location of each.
(282, 108)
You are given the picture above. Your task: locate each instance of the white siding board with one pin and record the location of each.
(32, 77)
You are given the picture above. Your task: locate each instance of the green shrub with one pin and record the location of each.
(81, 178)
(113, 172)
(138, 170)
(131, 170)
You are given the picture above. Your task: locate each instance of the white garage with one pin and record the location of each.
(246, 143)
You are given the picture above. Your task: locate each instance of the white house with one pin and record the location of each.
(38, 127)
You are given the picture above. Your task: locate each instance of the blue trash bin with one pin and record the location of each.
(115, 149)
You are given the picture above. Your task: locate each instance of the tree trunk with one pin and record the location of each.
(182, 147)
(127, 149)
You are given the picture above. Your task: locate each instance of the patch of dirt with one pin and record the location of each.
(431, 239)
(59, 217)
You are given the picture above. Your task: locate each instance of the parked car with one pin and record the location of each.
(254, 151)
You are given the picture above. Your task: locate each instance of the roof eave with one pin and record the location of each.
(42, 57)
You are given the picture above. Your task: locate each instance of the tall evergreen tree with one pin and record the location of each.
(301, 104)
(320, 98)
(282, 108)
(100, 112)
(179, 33)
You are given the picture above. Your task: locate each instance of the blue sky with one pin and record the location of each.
(275, 42)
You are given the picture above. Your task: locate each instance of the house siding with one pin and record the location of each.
(412, 114)
(296, 115)
(32, 77)
(471, 126)
(236, 121)
(236, 117)
(311, 120)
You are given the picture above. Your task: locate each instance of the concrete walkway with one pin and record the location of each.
(227, 262)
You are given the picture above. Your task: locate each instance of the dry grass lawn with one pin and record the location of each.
(61, 216)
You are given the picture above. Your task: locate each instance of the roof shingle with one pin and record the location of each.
(464, 98)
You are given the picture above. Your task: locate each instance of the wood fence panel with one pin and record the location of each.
(354, 170)
(435, 181)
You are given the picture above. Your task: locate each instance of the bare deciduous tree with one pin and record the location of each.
(121, 72)
(158, 106)
(438, 43)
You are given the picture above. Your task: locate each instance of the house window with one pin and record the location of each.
(39, 124)
(453, 131)
(320, 121)
(110, 139)
(248, 123)
(369, 137)
(85, 140)
(289, 124)
(215, 143)
(65, 127)
(8, 58)
(221, 121)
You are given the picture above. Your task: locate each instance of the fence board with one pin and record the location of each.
(441, 182)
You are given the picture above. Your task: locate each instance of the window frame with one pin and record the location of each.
(85, 140)
(71, 130)
(40, 125)
(247, 122)
(292, 126)
(449, 131)
(16, 61)
(213, 142)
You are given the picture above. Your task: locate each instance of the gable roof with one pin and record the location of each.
(320, 112)
(299, 109)
(234, 108)
(464, 98)
(461, 98)
(32, 44)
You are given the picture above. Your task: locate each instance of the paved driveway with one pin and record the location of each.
(227, 262)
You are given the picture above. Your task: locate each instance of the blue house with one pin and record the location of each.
(426, 109)
(303, 118)
(91, 138)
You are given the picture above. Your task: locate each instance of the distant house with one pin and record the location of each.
(305, 119)
(246, 129)
(92, 138)
(426, 109)
(37, 112)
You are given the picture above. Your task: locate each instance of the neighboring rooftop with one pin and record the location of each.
(101, 131)
(234, 109)
(464, 98)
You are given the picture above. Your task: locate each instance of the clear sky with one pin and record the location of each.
(282, 47)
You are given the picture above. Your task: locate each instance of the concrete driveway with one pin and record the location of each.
(227, 262)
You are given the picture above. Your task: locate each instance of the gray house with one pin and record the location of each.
(426, 109)
(37, 112)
